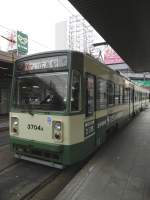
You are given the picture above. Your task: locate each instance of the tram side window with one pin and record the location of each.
(117, 94)
(90, 100)
(76, 91)
(126, 95)
(135, 96)
(140, 96)
(148, 96)
(110, 93)
(144, 96)
(0, 95)
(130, 95)
(101, 94)
(121, 94)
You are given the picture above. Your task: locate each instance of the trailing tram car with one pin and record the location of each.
(63, 104)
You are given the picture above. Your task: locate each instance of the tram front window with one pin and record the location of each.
(42, 91)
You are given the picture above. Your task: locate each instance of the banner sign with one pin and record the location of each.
(22, 43)
(111, 57)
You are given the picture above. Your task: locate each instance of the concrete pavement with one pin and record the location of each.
(120, 169)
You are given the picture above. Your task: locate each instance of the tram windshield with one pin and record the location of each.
(45, 91)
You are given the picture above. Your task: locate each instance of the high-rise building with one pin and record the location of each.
(61, 35)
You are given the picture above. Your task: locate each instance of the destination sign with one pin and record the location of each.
(50, 63)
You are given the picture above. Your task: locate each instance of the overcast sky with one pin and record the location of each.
(37, 18)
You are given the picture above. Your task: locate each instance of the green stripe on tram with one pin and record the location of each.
(69, 153)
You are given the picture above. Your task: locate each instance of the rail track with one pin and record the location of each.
(21, 180)
(4, 138)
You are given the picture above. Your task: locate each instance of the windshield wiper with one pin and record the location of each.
(30, 112)
(29, 109)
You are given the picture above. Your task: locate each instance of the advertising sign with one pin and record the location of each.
(22, 43)
(111, 57)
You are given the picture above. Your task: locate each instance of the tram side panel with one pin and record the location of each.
(110, 111)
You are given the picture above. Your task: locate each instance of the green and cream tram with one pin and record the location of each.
(63, 104)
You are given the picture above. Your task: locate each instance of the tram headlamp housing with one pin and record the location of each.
(57, 125)
(57, 134)
(14, 125)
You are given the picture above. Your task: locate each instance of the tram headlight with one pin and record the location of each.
(57, 125)
(57, 131)
(14, 125)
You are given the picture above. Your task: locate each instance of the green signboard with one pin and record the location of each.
(145, 83)
(22, 43)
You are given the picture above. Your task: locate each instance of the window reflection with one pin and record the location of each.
(90, 95)
(42, 91)
(76, 91)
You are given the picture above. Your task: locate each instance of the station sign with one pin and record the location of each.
(144, 83)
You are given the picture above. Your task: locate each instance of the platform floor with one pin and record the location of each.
(120, 169)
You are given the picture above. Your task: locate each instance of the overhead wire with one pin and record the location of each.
(65, 7)
(40, 44)
(62, 4)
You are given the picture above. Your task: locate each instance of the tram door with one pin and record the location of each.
(90, 113)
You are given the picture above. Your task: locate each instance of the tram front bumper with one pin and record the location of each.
(37, 150)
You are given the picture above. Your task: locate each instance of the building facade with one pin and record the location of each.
(6, 70)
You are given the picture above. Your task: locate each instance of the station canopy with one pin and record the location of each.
(125, 25)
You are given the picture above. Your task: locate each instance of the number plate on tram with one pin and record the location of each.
(34, 127)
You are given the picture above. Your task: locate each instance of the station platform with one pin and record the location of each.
(119, 170)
